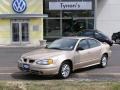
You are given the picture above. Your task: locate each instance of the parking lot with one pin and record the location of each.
(9, 71)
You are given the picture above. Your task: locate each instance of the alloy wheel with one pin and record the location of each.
(104, 61)
(65, 70)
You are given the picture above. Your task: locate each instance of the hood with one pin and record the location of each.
(43, 54)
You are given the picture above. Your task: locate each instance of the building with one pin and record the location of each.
(21, 22)
(108, 16)
(25, 22)
(68, 16)
(104, 16)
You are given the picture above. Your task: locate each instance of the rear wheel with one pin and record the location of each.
(65, 70)
(104, 61)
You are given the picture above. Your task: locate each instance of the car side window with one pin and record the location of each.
(93, 43)
(83, 44)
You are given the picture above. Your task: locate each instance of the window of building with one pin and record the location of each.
(52, 28)
(65, 22)
(50, 13)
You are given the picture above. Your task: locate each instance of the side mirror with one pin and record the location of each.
(79, 48)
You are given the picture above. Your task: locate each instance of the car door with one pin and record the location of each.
(94, 51)
(82, 56)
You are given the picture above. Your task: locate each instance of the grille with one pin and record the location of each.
(31, 61)
(28, 60)
(25, 60)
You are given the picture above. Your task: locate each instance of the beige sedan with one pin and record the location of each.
(64, 56)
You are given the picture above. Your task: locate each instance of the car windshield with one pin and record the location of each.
(63, 44)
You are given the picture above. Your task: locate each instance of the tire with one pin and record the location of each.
(65, 70)
(104, 61)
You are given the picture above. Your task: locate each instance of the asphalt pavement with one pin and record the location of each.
(9, 70)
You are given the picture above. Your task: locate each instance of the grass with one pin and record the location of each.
(58, 85)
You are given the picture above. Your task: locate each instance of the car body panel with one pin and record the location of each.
(43, 53)
(80, 58)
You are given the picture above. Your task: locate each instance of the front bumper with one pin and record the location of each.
(39, 69)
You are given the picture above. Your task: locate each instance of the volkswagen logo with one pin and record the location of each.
(19, 6)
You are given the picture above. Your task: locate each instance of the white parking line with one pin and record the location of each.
(6, 73)
(98, 74)
(116, 45)
(8, 68)
(11, 73)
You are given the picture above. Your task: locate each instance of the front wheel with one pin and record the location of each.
(104, 61)
(65, 70)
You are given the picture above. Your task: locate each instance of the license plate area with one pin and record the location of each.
(26, 67)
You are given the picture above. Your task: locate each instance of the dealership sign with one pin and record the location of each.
(70, 5)
(19, 6)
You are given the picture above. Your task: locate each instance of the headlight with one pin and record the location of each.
(45, 62)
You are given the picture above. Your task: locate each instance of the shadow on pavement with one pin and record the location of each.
(23, 76)
(82, 70)
(32, 77)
